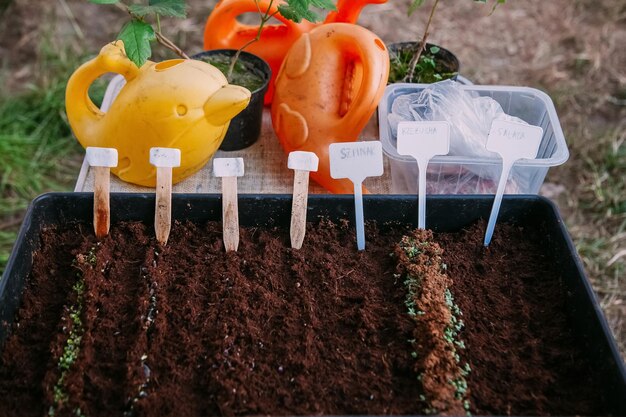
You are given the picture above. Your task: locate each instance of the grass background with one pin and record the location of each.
(572, 49)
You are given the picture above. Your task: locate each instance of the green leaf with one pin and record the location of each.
(434, 49)
(415, 4)
(324, 4)
(171, 8)
(136, 36)
(296, 10)
(104, 1)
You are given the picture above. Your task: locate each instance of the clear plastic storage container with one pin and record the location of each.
(471, 175)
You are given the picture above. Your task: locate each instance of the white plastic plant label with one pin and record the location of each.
(422, 141)
(228, 167)
(303, 161)
(165, 157)
(102, 157)
(513, 141)
(356, 160)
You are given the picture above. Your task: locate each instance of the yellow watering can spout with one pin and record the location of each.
(225, 104)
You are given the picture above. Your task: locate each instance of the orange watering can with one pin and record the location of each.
(223, 31)
(326, 91)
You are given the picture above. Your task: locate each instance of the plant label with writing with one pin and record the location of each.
(356, 161)
(101, 160)
(423, 141)
(229, 169)
(302, 163)
(512, 141)
(164, 159)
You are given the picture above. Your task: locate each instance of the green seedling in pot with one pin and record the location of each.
(421, 64)
(294, 10)
(224, 30)
(144, 26)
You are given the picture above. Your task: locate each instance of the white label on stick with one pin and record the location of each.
(228, 167)
(303, 161)
(513, 140)
(165, 157)
(356, 160)
(102, 157)
(423, 140)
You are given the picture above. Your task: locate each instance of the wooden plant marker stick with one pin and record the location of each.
(356, 161)
(101, 160)
(229, 169)
(164, 159)
(302, 163)
(513, 141)
(422, 141)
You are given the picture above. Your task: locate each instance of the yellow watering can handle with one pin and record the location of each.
(81, 111)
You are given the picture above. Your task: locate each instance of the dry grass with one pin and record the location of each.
(572, 49)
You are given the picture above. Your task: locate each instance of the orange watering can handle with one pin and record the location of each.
(348, 10)
(222, 23)
(374, 73)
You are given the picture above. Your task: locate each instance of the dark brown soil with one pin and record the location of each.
(525, 359)
(189, 330)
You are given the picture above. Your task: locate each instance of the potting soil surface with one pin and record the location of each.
(189, 330)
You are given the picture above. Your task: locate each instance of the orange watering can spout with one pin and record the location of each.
(223, 31)
(348, 11)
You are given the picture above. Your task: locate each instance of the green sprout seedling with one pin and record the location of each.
(420, 64)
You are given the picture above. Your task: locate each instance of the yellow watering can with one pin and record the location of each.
(184, 104)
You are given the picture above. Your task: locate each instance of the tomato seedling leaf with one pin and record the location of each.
(136, 36)
(171, 8)
(296, 10)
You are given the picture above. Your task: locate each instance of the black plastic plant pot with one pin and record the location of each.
(245, 128)
(446, 61)
(445, 214)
